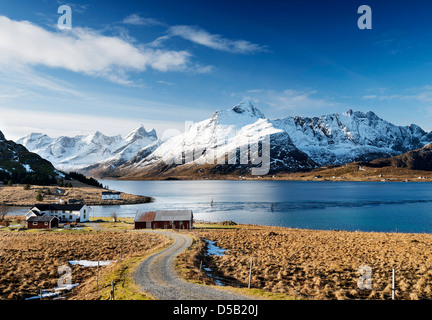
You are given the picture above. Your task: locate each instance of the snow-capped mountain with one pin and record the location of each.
(224, 142)
(74, 153)
(296, 143)
(351, 136)
(235, 140)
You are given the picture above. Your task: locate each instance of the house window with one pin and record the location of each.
(70, 211)
(70, 217)
(46, 223)
(35, 223)
(84, 211)
(84, 216)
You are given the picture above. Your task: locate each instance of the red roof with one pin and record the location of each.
(145, 217)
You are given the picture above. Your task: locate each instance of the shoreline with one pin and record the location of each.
(348, 172)
(204, 225)
(16, 196)
(272, 179)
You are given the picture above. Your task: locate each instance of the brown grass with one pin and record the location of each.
(17, 196)
(346, 172)
(321, 264)
(351, 172)
(29, 261)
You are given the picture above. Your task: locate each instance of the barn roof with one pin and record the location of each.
(164, 215)
(173, 215)
(145, 216)
(41, 218)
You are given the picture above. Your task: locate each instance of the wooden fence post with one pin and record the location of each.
(112, 290)
(250, 273)
(199, 273)
(393, 284)
(97, 277)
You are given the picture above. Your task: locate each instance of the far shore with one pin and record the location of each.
(349, 172)
(16, 195)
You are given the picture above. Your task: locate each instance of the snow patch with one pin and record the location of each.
(27, 168)
(87, 263)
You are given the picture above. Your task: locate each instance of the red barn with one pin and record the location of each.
(42, 222)
(164, 219)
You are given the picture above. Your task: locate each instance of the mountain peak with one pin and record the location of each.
(247, 107)
(240, 115)
(152, 132)
(93, 137)
(140, 132)
(348, 113)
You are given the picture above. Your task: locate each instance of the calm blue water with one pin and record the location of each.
(363, 206)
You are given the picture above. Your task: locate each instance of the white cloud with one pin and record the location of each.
(296, 100)
(23, 78)
(421, 94)
(137, 20)
(82, 50)
(165, 83)
(16, 124)
(370, 97)
(214, 41)
(279, 104)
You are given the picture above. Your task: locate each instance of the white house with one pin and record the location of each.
(111, 195)
(64, 212)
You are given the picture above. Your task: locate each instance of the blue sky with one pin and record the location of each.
(161, 63)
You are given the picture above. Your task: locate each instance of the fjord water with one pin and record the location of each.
(324, 205)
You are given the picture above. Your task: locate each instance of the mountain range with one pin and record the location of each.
(18, 165)
(76, 153)
(234, 141)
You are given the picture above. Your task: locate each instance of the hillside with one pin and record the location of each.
(18, 165)
(414, 165)
(419, 159)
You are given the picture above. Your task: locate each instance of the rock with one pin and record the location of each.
(229, 223)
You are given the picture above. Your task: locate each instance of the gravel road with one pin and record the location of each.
(157, 276)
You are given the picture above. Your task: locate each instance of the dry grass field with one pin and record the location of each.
(30, 260)
(313, 264)
(307, 264)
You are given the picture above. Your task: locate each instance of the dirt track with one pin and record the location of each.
(157, 276)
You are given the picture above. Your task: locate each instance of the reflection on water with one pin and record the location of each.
(365, 206)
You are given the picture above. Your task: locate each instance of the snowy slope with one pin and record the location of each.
(73, 153)
(215, 140)
(351, 136)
